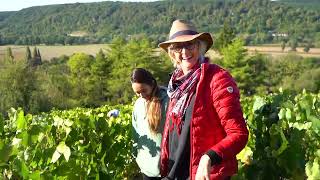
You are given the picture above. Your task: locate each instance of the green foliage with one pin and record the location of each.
(249, 73)
(284, 137)
(56, 86)
(308, 80)
(283, 45)
(100, 22)
(85, 143)
(293, 44)
(307, 47)
(74, 144)
(312, 168)
(165, 67)
(28, 57)
(125, 56)
(79, 65)
(80, 73)
(224, 37)
(80, 80)
(308, 4)
(234, 54)
(100, 72)
(86, 81)
(258, 70)
(36, 57)
(100, 66)
(294, 73)
(18, 86)
(9, 56)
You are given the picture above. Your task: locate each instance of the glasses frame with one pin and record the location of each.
(177, 47)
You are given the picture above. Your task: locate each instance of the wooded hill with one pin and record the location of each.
(257, 21)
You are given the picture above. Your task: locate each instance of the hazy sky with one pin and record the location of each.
(14, 5)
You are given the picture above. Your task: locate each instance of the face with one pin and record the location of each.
(142, 90)
(186, 54)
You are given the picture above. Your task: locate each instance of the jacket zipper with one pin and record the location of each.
(191, 144)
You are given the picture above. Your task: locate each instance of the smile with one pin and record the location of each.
(187, 58)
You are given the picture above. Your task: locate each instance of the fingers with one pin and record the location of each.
(203, 171)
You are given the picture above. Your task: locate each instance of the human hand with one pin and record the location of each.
(203, 171)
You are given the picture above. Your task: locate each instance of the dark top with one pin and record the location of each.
(179, 147)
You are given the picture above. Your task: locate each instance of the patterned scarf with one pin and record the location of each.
(180, 90)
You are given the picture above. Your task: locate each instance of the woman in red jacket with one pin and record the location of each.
(204, 128)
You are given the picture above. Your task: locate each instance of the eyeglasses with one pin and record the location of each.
(179, 46)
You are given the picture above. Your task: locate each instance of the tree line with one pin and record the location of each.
(80, 80)
(256, 21)
(83, 80)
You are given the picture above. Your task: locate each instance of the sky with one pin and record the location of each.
(15, 5)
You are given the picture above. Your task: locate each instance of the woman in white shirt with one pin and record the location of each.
(148, 119)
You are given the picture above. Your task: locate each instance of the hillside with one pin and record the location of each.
(5, 15)
(308, 4)
(257, 21)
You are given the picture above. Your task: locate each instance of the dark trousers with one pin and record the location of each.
(144, 177)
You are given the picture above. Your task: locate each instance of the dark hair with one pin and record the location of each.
(140, 75)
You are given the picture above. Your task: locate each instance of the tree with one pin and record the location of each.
(7, 58)
(236, 61)
(35, 52)
(258, 81)
(120, 70)
(283, 45)
(283, 68)
(80, 71)
(28, 57)
(56, 85)
(19, 88)
(164, 68)
(125, 57)
(308, 80)
(293, 44)
(225, 37)
(100, 70)
(306, 49)
(101, 65)
(308, 46)
(39, 56)
(234, 54)
(36, 57)
(9, 55)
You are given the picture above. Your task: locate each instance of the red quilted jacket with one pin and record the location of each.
(217, 124)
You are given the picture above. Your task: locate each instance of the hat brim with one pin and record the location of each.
(185, 38)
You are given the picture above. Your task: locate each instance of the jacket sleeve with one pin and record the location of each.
(226, 100)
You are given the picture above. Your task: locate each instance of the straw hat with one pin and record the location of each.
(182, 31)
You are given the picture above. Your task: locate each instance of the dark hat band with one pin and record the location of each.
(180, 33)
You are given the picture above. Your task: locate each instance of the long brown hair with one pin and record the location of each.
(140, 75)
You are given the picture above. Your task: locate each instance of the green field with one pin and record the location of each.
(49, 52)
